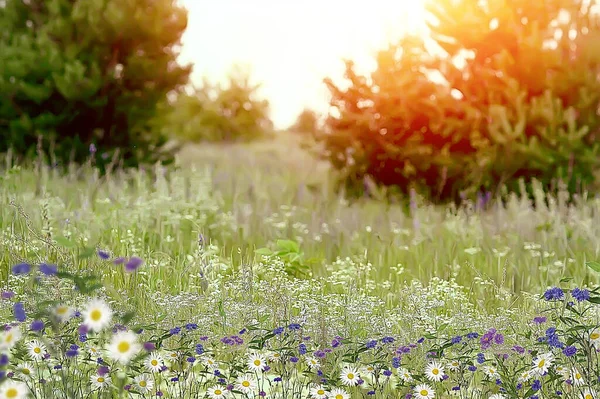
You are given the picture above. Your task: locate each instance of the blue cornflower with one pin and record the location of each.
(72, 351)
(371, 393)
(242, 331)
(519, 349)
(19, 312)
(387, 373)
(554, 293)
(294, 359)
(539, 319)
(294, 326)
(82, 337)
(456, 388)
(21, 268)
(302, 349)
(37, 325)
(199, 349)
(472, 335)
(103, 254)
(320, 354)
(191, 359)
(580, 295)
(536, 386)
(335, 343)
(371, 344)
(191, 326)
(3, 360)
(480, 358)
(569, 351)
(456, 339)
(48, 270)
(175, 330)
(420, 340)
(174, 379)
(387, 340)
(133, 264)
(320, 373)
(396, 362)
(277, 379)
(278, 330)
(472, 368)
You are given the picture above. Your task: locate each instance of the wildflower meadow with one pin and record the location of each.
(246, 277)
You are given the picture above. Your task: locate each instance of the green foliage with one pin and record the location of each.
(308, 122)
(219, 113)
(293, 258)
(513, 94)
(76, 73)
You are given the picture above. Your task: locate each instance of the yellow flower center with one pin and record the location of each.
(246, 384)
(96, 314)
(37, 350)
(424, 392)
(257, 362)
(541, 363)
(143, 383)
(9, 337)
(61, 310)
(123, 347)
(595, 335)
(218, 392)
(12, 393)
(588, 396)
(26, 371)
(100, 380)
(435, 371)
(577, 376)
(350, 376)
(339, 396)
(321, 392)
(154, 362)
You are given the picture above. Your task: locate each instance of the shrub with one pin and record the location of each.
(307, 123)
(81, 78)
(513, 95)
(220, 113)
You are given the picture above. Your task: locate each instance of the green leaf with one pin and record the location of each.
(86, 252)
(595, 300)
(264, 251)
(288, 245)
(65, 242)
(595, 266)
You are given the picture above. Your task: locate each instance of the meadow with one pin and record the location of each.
(246, 254)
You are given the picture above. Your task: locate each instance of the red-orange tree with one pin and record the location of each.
(513, 94)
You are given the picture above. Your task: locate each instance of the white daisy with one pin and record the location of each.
(312, 362)
(245, 383)
(404, 375)
(97, 315)
(349, 376)
(595, 338)
(154, 362)
(318, 392)
(14, 390)
(9, 338)
(172, 356)
(368, 370)
(562, 370)
(524, 376)
(143, 383)
(434, 371)
(256, 362)
(423, 391)
(36, 349)
(588, 394)
(497, 396)
(454, 365)
(577, 377)
(25, 371)
(63, 313)
(491, 371)
(542, 363)
(217, 392)
(100, 381)
(123, 346)
(275, 357)
(338, 393)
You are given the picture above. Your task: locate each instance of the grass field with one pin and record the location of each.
(254, 237)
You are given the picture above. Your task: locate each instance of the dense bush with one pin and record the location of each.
(220, 113)
(307, 123)
(513, 95)
(81, 78)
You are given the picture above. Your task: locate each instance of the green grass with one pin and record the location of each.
(245, 197)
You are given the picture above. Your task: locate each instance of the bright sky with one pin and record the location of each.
(290, 46)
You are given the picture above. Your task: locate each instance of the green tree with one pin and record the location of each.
(75, 73)
(511, 94)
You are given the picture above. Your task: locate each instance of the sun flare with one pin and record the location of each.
(291, 46)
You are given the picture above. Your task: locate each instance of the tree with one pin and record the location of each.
(81, 75)
(308, 122)
(512, 94)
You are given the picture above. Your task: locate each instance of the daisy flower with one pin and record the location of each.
(368, 370)
(63, 313)
(123, 347)
(542, 363)
(349, 376)
(210, 362)
(245, 383)
(97, 315)
(423, 391)
(577, 378)
(275, 357)
(595, 338)
(491, 371)
(100, 381)
(313, 362)
(318, 392)
(9, 338)
(172, 356)
(434, 371)
(338, 393)
(524, 376)
(217, 392)
(404, 375)
(94, 351)
(562, 370)
(143, 383)
(25, 371)
(13, 389)
(588, 394)
(154, 362)
(36, 349)
(454, 365)
(256, 362)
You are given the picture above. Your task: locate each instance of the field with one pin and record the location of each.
(246, 250)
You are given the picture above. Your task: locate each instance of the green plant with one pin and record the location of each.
(81, 79)
(289, 252)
